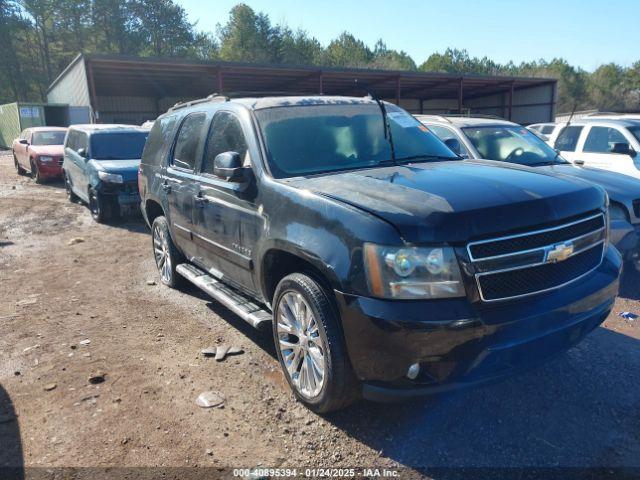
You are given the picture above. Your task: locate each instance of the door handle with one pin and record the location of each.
(579, 162)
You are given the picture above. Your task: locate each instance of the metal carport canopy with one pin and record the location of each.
(116, 75)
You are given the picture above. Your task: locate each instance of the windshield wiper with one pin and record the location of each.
(427, 157)
(386, 126)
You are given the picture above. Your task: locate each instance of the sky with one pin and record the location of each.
(587, 33)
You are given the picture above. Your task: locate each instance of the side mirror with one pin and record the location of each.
(82, 152)
(454, 145)
(23, 141)
(228, 165)
(622, 148)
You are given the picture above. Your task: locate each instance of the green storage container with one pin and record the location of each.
(15, 117)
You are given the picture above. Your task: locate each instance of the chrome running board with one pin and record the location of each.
(242, 306)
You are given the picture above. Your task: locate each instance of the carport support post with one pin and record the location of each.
(460, 95)
(421, 106)
(510, 101)
(220, 85)
(398, 90)
(320, 83)
(92, 91)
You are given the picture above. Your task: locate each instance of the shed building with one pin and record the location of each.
(15, 117)
(122, 89)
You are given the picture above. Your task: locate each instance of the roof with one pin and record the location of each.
(47, 129)
(107, 127)
(118, 75)
(258, 103)
(464, 121)
(613, 122)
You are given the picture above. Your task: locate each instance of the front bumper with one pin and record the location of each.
(457, 343)
(50, 170)
(124, 196)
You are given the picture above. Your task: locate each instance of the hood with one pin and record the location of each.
(127, 168)
(51, 150)
(455, 201)
(619, 187)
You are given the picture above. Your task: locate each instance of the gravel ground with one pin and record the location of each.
(580, 410)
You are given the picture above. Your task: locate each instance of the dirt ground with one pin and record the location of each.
(70, 309)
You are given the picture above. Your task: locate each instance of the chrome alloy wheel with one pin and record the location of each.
(161, 253)
(301, 346)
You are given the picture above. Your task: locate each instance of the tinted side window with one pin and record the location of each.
(189, 137)
(225, 135)
(568, 139)
(72, 140)
(601, 139)
(547, 129)
(83, 141)
(159, 137)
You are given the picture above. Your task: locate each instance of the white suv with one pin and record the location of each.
(606, 143)
(543, 130)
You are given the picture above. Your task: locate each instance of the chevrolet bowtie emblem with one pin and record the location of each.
(559, 252)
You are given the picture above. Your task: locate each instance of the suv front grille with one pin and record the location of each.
(517, 243)
(515, 283)
(130, 187)
(537, 261)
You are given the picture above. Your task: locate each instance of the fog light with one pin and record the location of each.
(413, 371)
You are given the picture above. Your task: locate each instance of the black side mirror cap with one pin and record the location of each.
(228, 165)
(23, 141)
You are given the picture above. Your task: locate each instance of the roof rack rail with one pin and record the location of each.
(475, 115)
(599, 114)
(214, 97)
(439, 116)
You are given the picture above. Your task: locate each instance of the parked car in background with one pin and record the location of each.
(605, 143)
(101, 167)
(543, 130)
(390, 268)
(493, 139)
(39, 151)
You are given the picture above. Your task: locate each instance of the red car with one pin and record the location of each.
(40, 151)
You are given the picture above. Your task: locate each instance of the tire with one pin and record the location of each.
(165, 253)
(319, 342)
(19, 169)
(99, 207)
(35, 173)
(72, 197)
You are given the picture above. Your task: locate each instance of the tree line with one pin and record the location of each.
(38, 39)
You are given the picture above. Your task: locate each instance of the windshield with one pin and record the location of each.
(118, 146)
(305, 140)
(511, 144)
(54, 137)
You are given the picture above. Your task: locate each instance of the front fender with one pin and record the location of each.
(324, 232)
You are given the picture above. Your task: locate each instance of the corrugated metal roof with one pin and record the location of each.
(114, 75)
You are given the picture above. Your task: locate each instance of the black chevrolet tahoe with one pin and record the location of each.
(387, 267)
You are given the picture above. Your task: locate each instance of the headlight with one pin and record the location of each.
(110, 177)
(617, 212)
(45, 159)
(411, 272)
